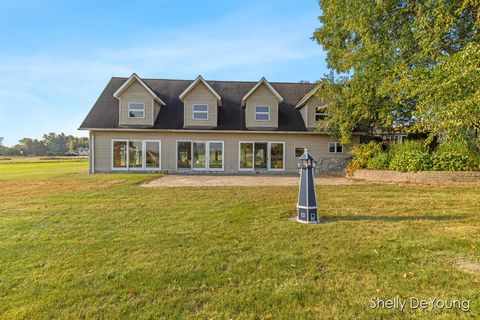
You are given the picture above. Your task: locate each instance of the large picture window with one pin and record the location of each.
(136, 154)
(276, 156)
(261, 156)
(246, 155)
(152, 154)
(200, 155)
(216, 155)
(120, 154)
(184, 155)
(199, 160)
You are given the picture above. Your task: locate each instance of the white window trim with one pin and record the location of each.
(319, 113)
(207, 152)
(269, 156)
(159, 155)
(144, 166)
(206, 156)
(113, 154)
(223, 156)
(128, 110)
(262, 112)
(143, 155)
(335, 144)
(239, 150)
(193, 111)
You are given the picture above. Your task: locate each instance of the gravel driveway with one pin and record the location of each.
(236, 181)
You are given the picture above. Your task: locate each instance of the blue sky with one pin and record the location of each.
(57, 56)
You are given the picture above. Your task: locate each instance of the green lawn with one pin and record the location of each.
(73, 245)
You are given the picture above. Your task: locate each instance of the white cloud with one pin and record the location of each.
(54, 92)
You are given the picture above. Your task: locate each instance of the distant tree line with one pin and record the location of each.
(51, 144)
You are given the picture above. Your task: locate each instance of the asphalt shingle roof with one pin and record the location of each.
(231, 116)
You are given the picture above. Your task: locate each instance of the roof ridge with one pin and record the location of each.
(230, 81)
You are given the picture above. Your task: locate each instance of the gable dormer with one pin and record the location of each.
(138, 104)
(312, 109)
(261, 106)
(200, 105)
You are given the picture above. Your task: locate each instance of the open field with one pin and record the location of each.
(74, 245)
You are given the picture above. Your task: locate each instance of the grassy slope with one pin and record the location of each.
(75, 245)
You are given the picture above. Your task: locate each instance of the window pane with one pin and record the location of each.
(299, 152)
(200, 107)
(184, 156)
(320, 114)
(339, 148)
(136, 106)
(262, 116)
(331, 147)
(134, 154)
(200, 115)
(136, 110)
(276, 156)
(199, 155)
(216, 155)
(136, 114)
(246, 155)
(262, 109)
(120, 154)
(261, 155)
(152, 154)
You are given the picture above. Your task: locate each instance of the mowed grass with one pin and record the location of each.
(74, 246)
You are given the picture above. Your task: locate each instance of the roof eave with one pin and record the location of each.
(269, 87)
(135, 77)
(205, 83)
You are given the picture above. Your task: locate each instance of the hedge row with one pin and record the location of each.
(452, 155)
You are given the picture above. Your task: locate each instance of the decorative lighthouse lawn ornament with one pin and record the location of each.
(307, 198)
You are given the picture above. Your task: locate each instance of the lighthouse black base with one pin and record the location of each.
(307, 215)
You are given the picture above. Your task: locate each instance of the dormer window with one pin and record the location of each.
(262, 113)
(200, 112)
(320, 114)
(136, 110)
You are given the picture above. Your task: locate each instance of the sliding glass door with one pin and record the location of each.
(136, 154)
(199, 159)
(200, 155)
(261, 156)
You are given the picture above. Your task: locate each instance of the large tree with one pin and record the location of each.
(402, 62)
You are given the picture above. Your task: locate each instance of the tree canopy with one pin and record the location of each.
(414, 63)
(51, 144)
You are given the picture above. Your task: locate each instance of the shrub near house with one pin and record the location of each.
(452, 155)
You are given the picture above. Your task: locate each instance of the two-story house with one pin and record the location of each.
(208, 126)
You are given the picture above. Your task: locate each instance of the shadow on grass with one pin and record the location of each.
(390, 218)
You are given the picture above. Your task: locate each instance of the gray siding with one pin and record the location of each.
(200, 95)
(136, 93)
(308, 112)
(316, 143)
(261, 96)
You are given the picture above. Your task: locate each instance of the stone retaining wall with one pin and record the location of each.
(424, 177)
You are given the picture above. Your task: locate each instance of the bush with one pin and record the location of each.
(410, 156)
(456, 155)
(380, 162)
(363, 152)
